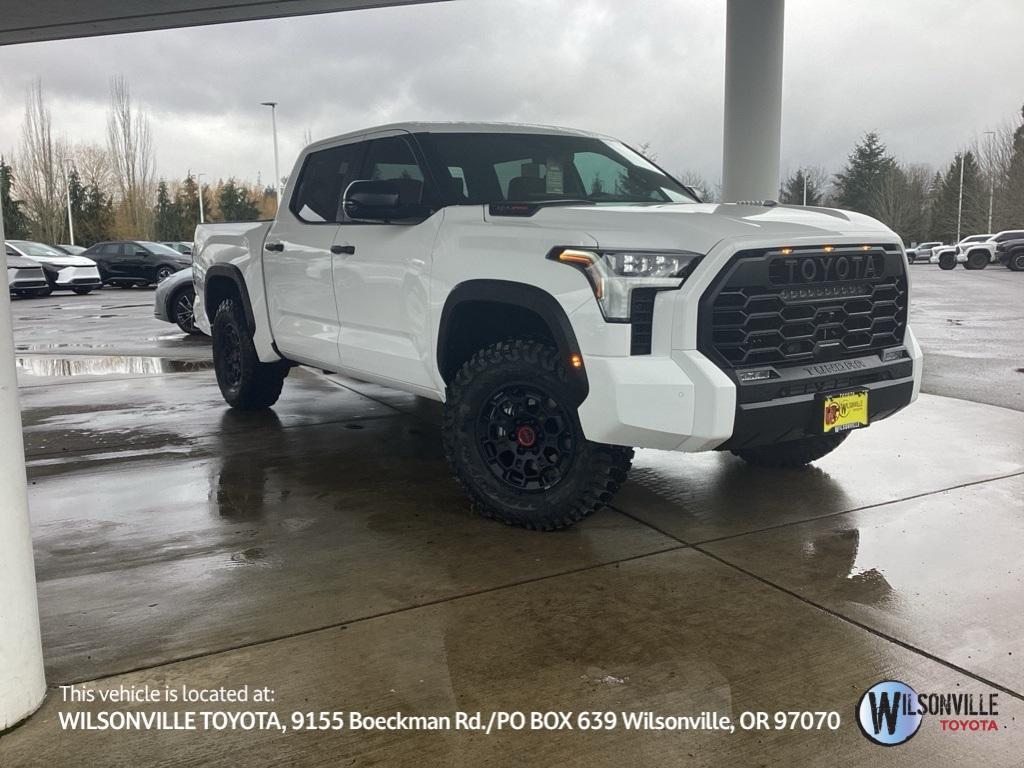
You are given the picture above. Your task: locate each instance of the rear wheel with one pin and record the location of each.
(162, 273)
(1016, 261)
(181, 310)
(82, 291)
(513, 440)
(977, 260)
(947, 260)
(794, 453)
(245, 382)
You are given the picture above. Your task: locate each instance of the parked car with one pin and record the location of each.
(180, 246)
(1011, 253)
(948, 256)
(63, 271)
(922, 252)
(173, 300)
(978, 251)
(566, 300)
(136, 262)
(70, 250)
(24, 276)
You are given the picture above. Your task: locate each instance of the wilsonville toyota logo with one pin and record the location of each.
(891, 712)
(888, 713)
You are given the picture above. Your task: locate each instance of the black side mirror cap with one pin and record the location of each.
(380, 201)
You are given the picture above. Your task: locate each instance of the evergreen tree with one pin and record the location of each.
(96, 222)
(866, 168)
(187, 203)
(1009, 211)
(235, 203)
(166, 215)
(15, 220)
(974, 211)
(76, 193)
(793, 190)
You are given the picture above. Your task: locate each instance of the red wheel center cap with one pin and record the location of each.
(525, 435)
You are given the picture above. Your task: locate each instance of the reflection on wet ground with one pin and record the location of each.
(82, 365)
(323, 550)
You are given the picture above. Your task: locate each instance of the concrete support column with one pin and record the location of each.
(753, 100)
(22, 684)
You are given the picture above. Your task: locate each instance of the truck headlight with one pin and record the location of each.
(613, 274)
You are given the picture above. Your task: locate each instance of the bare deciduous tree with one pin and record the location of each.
(131, 156)
(42, 175)
(92, 161)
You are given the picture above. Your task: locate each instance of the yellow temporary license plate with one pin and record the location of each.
(848, 410)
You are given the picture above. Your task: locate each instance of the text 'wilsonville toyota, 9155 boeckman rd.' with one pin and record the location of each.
(568, 301)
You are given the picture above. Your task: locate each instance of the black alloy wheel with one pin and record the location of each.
(162, 273)
(526, 438)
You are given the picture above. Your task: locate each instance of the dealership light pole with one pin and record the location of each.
(199, 186)
(22, 682)
(67, 190)
(273, 123)
(960, 201)
(991, 179)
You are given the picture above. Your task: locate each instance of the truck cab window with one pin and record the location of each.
(392, 159)
(322, 181)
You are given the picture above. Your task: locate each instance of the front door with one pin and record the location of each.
(297, 258)
(381, 274)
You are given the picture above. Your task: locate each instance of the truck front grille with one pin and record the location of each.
(805, 305)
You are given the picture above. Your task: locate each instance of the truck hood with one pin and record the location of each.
(699, 227)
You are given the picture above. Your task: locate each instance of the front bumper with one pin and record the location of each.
(68, 278)
(686, 403)
(21, 280)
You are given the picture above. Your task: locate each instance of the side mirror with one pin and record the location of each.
(381, 201)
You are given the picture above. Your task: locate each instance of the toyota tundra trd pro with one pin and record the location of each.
(566, 300)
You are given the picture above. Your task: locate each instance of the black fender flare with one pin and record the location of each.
(522, 295)
(234, 274)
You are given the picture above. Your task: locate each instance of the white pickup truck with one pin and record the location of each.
(567, 300)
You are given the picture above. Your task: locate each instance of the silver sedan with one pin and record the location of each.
(173, 299)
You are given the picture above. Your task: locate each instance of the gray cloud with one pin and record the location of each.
(928, 76)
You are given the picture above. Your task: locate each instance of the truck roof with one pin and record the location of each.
(457, 127)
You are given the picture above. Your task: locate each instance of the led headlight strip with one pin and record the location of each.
(615, 273)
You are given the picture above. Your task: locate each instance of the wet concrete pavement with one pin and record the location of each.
(323, 551)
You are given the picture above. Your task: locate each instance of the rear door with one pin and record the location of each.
(381, 274)
(297, 259)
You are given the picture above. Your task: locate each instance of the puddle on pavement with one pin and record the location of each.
(45, 347)
(106, 365)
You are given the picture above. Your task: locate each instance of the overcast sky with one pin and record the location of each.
(929, 76)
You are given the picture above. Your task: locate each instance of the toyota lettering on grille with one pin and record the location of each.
(826, 268)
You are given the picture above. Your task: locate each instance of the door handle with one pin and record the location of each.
(349, 249)
(274, 246)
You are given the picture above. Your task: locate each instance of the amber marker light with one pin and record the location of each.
(865, 247)
(786, 251)
(829, 248)
(576, 361)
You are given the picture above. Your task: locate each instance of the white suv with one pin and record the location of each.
(567, 300)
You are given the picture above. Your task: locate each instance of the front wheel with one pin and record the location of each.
(162, 273)
(977, 260)
(40, 292)
(245, 382)
(947, 260)
(1016, 261)
(794, 453)
(513, 440)
(82, 291)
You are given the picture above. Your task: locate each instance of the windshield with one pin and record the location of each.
(481, 168)
(159, 248)
(36, 249)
